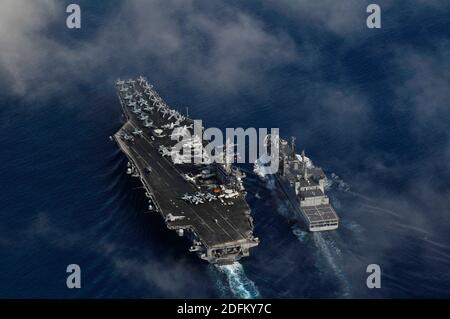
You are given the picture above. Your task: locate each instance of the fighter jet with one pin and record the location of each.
(194, 143)
(160, 106)
(147, 86)
(165, 112)
(136, 110)
(177, 135)
(210, 197)
(143, 117)
(186, 197)
(164, 151)
(172, 114)
(148, 108)
(180, 118)
(128, 97)
(189, 179)
(177, 122)
(137, 132)
(189, 126)
(181, 159)
(185, 127)
(197, 200)
(120, 82)
(155, 99)
(169, 126)
(141, 80)
(127, 137)
(148, 123)
(132, 104)
(173, 218)
(181, 131)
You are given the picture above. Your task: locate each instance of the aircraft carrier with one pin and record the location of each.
(302, 183)
(205, 201)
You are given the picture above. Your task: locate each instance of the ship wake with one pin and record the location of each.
(330, 252)
(237, 282)
(325, 246)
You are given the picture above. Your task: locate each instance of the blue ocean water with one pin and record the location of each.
(65, 197)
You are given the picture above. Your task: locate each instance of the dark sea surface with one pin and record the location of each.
(65, 197)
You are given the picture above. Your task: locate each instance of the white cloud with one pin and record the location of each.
(424, 84)
(23, 43)
(346, 19)
(340, 17)
(220, 50)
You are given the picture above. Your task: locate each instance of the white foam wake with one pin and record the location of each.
(329, 251)
(261, 166)
(238, 283)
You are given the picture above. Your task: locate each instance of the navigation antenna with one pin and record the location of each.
(187, 111)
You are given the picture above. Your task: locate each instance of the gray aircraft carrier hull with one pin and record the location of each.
(221, 231)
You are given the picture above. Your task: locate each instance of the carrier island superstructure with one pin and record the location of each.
(203, 201)
(303, 184)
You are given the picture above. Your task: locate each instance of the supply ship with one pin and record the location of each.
(201, 200)
(302, 183)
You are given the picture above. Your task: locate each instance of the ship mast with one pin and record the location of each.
(293, 146)
(305, 176)
(227, 159)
